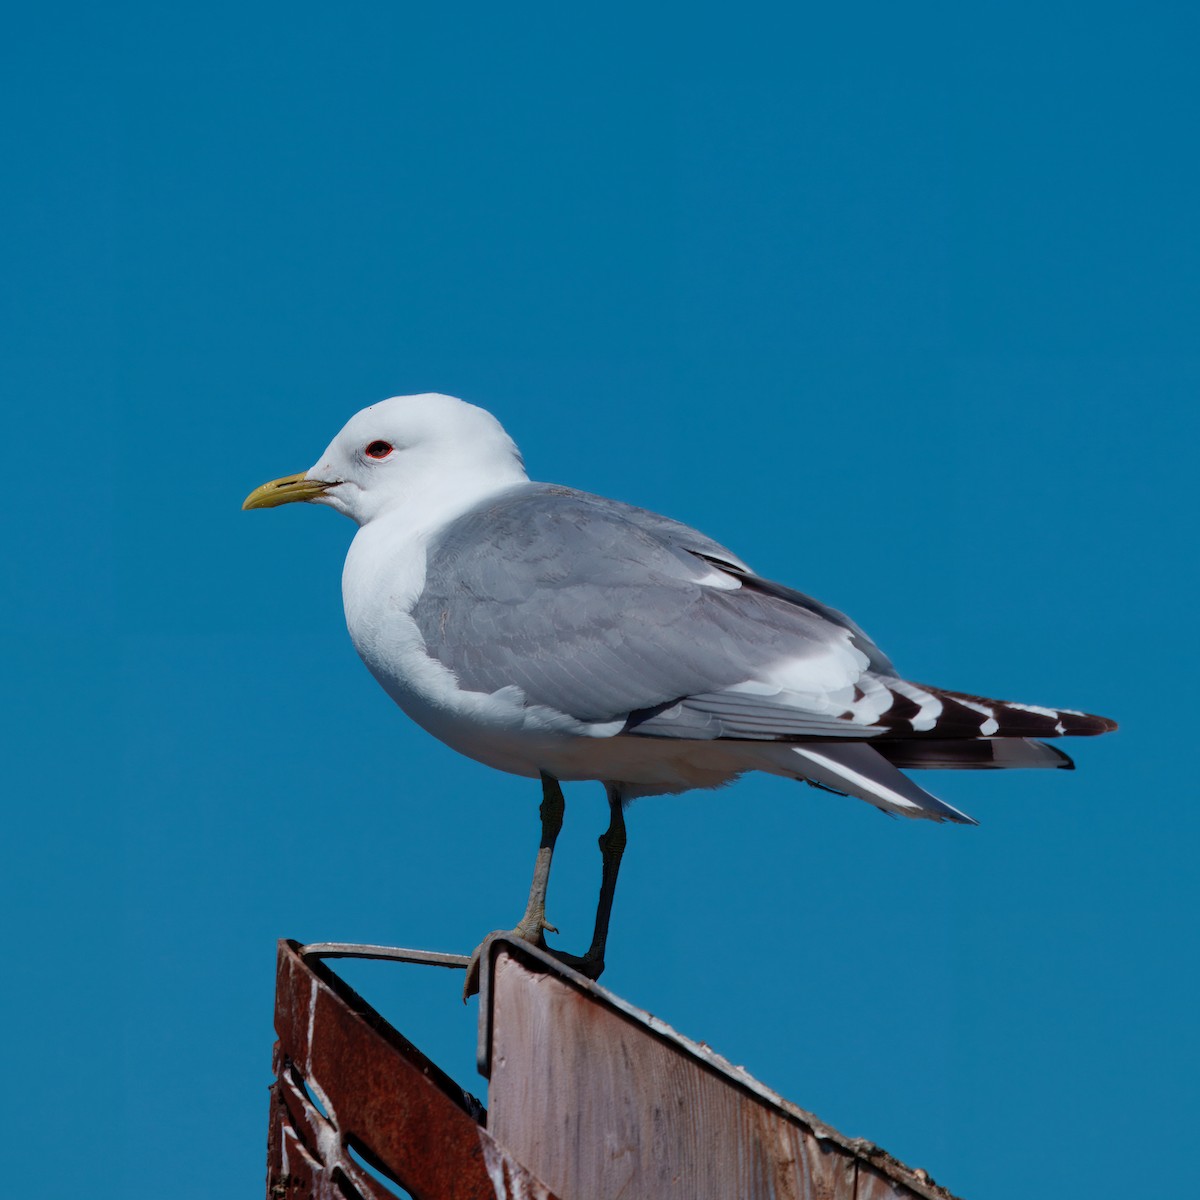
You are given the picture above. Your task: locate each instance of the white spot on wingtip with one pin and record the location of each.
(929, 707)
(1036, 709)
(988, 726)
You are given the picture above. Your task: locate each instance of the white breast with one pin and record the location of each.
(381, 581)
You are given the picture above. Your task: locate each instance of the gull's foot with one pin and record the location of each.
(530, 929)
(590, 965)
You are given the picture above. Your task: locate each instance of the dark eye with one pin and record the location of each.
(379, 449)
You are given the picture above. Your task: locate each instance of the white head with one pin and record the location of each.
(427, 453)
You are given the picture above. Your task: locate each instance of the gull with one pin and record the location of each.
(562, 636)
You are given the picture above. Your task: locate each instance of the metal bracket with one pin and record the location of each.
(429, 958)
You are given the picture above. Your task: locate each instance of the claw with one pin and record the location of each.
(523, 931)
(590, 965)
(471, 983)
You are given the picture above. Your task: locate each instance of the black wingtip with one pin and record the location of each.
(966, 714)
(1087, 724)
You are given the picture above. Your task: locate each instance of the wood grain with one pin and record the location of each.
(597, 1104)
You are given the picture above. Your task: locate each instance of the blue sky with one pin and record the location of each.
(901, 303)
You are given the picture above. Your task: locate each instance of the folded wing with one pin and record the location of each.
(609, 613)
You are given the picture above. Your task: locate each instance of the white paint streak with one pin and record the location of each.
(329, 1145)
(493, 1162)
(312, 1017)
(506, 1183)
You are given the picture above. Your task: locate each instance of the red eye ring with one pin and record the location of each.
(379, 449)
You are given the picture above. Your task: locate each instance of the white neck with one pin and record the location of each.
(391, 543)
(435, 496)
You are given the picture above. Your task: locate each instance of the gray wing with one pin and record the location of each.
(609, 612)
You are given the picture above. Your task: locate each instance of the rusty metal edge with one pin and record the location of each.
(508, 1178)
(293, 1112)
(861, 1149)
(447, 1085)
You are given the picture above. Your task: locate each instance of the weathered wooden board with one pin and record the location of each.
(599, 1100)
(873, 1185)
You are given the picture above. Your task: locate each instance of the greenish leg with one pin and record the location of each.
(533, 924)
(612, 846)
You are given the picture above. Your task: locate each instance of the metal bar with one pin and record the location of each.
(345, 1080)
(429, 958)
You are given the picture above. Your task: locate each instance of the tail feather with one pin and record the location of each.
(971, 754)
(856, 769)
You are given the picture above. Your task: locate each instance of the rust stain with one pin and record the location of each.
(346, 1080)
(598, 1098)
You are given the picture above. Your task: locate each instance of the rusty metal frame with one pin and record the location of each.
(347, 1084)
(346, 1080)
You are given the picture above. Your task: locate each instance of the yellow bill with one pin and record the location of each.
(285, 491)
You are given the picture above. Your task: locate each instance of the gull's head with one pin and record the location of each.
(428, 453)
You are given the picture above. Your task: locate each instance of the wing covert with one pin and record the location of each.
(601, 610)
